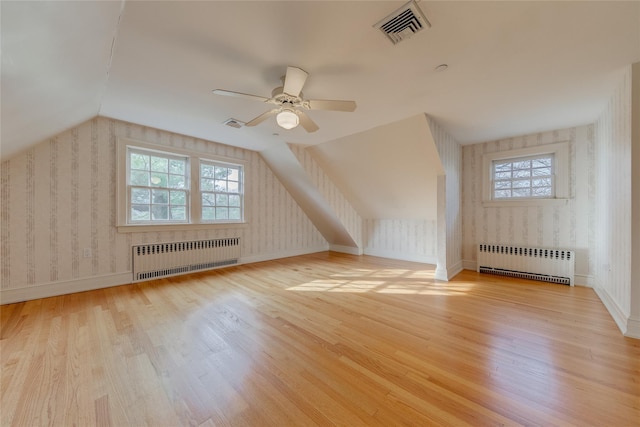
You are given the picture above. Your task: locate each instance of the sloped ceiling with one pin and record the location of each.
(514, 67)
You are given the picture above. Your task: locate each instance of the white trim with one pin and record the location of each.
(633, 328)
(403, 257)
(469, 265)
(179, 227)
(524, 202)
(282, 254)
(346, 249)
(612, 307)
(583, 280)
(446, 274)
(560, 150)
(52, 289)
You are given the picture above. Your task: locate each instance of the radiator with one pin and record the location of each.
(547, 265)
(155, 260)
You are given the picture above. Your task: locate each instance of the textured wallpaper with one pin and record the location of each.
(58, 199)
(563, 226)
(340, 205)
(613, 227)
(450, 153)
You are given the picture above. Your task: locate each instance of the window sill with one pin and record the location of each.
(527, 202)
(178, 227)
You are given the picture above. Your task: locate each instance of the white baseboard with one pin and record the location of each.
(446, 274)
(404, 257)
(282, 254)
(52, 289)
(633, 328)
(346, 249)
(583, 280)
(469, 265)
(612, 307)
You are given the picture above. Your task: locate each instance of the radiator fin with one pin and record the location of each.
(543, 264)
(156, 260)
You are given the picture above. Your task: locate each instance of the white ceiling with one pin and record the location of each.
(514, 67)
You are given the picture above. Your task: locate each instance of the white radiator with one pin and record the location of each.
(155, 260)
(548, 265)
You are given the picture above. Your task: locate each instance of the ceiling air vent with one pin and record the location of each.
(403, 23)
(234, 123)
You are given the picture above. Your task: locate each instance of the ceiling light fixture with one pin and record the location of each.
(287, 119)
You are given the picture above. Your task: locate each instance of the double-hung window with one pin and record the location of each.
(158, 187)
(166, 186)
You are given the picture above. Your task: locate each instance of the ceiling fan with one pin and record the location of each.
(290, 102)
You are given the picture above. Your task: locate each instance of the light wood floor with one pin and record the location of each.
(324, 339)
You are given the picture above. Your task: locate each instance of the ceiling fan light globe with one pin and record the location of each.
(287, 119)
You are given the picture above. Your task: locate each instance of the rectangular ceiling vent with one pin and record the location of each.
(234, 123)
(403, 23)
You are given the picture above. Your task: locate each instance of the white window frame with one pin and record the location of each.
(194, 160)
(560, 153)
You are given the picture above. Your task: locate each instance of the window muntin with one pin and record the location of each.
(221, 192)
(157, 187)
(523, 177)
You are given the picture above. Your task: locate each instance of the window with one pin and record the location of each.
(528, 176)
(159, 187)
(220, 189)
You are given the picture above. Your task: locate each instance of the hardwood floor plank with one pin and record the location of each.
(321, 340)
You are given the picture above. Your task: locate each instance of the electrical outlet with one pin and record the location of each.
(87, 252)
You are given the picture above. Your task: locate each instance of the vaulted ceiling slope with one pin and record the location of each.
(514, 67)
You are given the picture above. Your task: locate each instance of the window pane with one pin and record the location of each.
(541, 182)
(160, 196)
(222, 213)
(526, 164)
(177, 181)
(140, 196)
(234, 175)
(502, 175)
(503, 167)
(178, 198)
(159, 164)
(220, 185)
(234, 200)
(526, 173)
(139, 178)
(208, 213)
(222, 200)
(160, 212)
(179, 213)
(521, 192)
(208, 199)
(140, 213)
(206, 185)
(501, 194)
(159, 179)
(221, 173)
(502, 185)
(541, 172)
(540, 163)
(206, 171)
(234, 213)
(523, 183)
(233, 187)
(139, 161)
(541, 192)
(177, 166)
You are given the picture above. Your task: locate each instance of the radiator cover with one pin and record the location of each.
(156, 260)
(543, 264)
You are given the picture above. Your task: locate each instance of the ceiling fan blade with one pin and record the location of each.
(262, 117)
(240, 95)
(306, 122)
(294, 80)
(327, 104)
